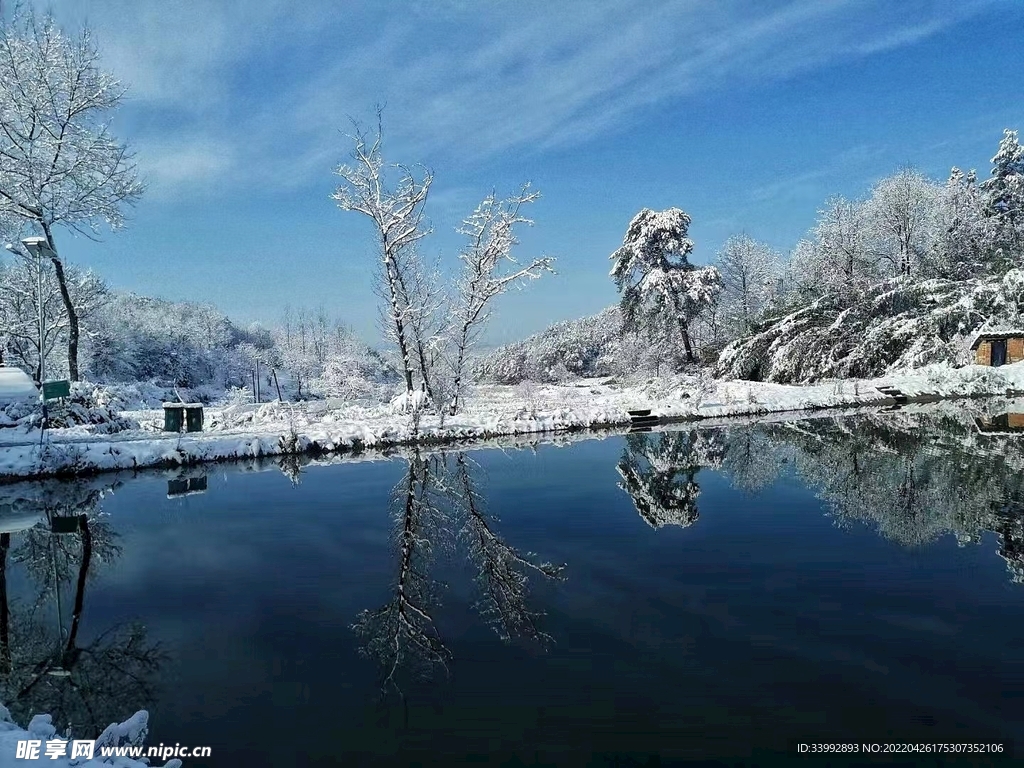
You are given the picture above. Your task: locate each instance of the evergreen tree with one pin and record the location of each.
(1004, 198)
(661, 291)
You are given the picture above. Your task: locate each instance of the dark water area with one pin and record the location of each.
(707, 597)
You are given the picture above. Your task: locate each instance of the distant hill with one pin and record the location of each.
(590, 346)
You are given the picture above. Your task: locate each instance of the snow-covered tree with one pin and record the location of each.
(845, 264)
(1004, 197)
(59, 164)
(661, 291)
(901, 222)
(803, 274)
(750, 272)
(963, 244)
(20, 305)
(488, 271)
(173, 344)
(320, 357)
(398, 220)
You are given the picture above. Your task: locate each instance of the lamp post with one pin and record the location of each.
(40, 248)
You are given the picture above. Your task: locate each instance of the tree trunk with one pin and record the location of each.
(684, 330)
(460, 361)
(83, 572)
(391, 271)
(69, 306)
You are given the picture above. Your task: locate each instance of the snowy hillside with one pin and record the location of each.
(894, 325)
(588, 347)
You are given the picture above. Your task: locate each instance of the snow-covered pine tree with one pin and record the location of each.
(661, 291)
(1004, 198)
(963, 244)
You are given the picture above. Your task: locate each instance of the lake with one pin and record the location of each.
(642, 599)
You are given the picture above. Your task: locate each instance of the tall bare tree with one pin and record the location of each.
(489, 270)
(59, 164)
(399, 224)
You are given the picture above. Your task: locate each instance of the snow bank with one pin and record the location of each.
(249, 431)
(132, 731)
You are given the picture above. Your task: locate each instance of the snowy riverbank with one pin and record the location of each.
(270, 429)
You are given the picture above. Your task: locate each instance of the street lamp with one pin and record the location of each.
(39, 247)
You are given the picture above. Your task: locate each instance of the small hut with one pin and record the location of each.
(998, 347)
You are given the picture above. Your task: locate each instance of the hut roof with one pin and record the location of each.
(1009, 333)
(16, 386)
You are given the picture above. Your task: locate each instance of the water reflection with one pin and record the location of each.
(1003, 423)
(914, 476)
(438, 506)
(659, 473)
(55, 532)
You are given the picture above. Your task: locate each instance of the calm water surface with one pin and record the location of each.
(648, 599)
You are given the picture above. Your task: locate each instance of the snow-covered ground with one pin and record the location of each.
(250, 430)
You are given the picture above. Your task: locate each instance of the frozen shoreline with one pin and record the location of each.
(331, 426)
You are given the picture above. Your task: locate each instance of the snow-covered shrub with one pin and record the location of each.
(83, 409)
(132, 732)
(356, 374)
(410, 402)
(13, 414)
(236, 396)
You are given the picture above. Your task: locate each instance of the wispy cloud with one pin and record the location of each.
(464, 82)
(170, 167)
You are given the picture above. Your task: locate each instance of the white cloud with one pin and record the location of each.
(173, 168)
(463, 81)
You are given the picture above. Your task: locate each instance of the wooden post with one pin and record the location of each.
(258, 398)
(279, 398)
(253, 374)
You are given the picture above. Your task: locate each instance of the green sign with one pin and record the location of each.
(55, 389)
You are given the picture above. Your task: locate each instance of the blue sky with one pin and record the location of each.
(745, 114)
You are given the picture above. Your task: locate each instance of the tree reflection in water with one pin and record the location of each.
(659, 471)
(502, 571)
(43, 667)
(401, 633)
(914, 475)
(437, 507)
